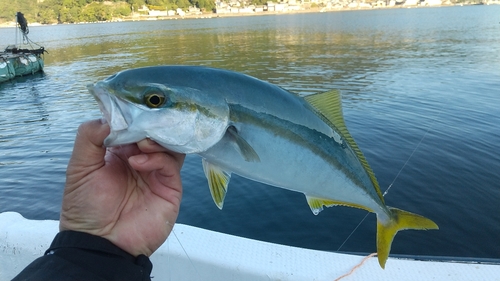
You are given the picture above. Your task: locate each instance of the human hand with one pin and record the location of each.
(129, 195)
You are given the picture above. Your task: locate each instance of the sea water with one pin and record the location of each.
(420, 95)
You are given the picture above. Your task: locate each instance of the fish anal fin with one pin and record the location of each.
(218, 180)
(400, 220)
(328, 106)
(317, 204)
(245, 149)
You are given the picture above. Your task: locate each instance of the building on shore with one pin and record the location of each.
(282, 6)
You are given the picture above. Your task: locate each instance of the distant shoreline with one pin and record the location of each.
(226, 15)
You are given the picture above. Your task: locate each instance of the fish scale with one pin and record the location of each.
(239, 124)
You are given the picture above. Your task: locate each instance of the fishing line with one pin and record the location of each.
(185, 252)
(429, 127)
(388, 188)
(412, 153)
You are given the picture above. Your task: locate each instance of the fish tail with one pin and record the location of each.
(400, 220)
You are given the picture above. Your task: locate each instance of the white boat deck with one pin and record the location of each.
(192, 253)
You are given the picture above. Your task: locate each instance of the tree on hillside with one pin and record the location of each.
(136, 4)
(47, 16)
(206, 5)
(9, 8)
(183, 4)
(95, 12)
(157, 2)
(122, 9)
(258, 2)
(72, 11)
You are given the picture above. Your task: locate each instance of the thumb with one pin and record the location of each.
(89, 149)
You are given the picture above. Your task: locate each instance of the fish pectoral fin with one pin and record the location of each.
(400, 220)
(242, 145)
(218, 180)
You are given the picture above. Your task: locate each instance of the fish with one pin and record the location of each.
(242, 125)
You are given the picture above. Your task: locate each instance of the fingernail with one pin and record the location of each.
(141, 158)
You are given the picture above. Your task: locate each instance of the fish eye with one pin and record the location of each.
(154, 99)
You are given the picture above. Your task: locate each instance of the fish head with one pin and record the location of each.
(139, 105)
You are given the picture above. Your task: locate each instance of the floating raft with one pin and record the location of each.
(20, 62)
(194, 254)
(15, 61)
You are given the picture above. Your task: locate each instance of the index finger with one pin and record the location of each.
(150, 146)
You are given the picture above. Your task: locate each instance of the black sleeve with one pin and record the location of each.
(82, 256)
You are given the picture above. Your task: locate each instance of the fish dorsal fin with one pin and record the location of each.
(218, 180)
(316, 204)
(329, 108)
(242, 145)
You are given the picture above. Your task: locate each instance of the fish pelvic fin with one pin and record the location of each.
(400, 220)
(218, 180)
(328, 106)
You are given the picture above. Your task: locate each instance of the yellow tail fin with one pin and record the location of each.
(400, 220)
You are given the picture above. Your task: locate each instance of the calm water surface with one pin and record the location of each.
(420, 93)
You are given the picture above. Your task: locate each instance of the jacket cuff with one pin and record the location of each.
(100, 256)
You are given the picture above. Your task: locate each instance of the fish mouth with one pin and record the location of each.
(111, 110)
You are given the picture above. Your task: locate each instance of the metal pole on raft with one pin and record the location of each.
(15, 19)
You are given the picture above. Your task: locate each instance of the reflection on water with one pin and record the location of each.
(420, 95)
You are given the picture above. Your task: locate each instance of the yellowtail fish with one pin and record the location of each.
(239, 124)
